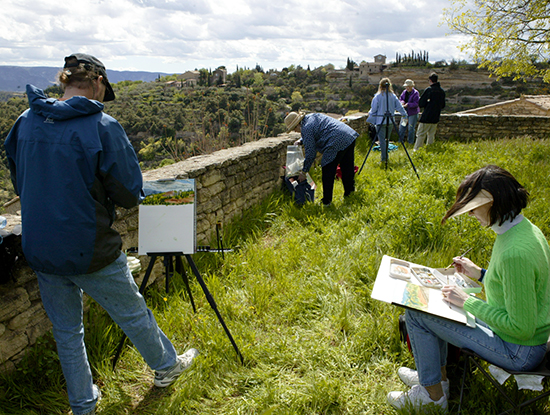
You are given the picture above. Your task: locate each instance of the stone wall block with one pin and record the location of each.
(7, 366)
(132, 222)
(210, 178)
(23, 319)
(232, 169)
(12, 302)
(203, 226)
(33, 291)
(240, 203)
(236, 192)
(12, 343)
(130, 240)
(212, 219)
(120, 227)
(216, 188)
(240, 177)
(225, 197)
(203, 195)
(23, 275)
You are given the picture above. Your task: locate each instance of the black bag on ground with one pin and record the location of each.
(302, 191)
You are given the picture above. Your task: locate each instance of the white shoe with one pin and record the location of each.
(98, 393)
(415, 398)
(410, 378)
(164, 378)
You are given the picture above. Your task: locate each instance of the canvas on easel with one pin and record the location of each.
(418, 287)
(167, 217)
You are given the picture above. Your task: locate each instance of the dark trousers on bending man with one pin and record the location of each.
(346, 160)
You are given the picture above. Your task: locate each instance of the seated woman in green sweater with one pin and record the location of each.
(513, 325)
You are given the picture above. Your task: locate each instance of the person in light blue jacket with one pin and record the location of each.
(384, 102)
(70, 163)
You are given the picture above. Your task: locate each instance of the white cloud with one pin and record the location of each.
(175, 35)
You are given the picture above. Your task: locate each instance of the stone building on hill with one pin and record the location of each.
(366, 72)
(370, 68)
(190, 78)
(219, 76)
(538, 105)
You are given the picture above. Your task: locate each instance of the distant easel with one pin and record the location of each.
(388, 116)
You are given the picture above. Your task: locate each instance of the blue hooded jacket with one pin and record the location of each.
(70, 163)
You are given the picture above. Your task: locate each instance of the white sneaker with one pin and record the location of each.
(164, 378)
(410, 378)
(415, 398)
(98, 393)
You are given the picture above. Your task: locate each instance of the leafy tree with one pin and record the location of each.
(54, 91)
(506, 37)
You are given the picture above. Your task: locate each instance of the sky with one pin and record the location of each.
(173, 36)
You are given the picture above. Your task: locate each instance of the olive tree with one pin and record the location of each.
(508, 37)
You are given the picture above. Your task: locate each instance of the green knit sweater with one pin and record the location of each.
(517, 287)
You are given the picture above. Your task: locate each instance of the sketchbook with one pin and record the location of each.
(418, 287)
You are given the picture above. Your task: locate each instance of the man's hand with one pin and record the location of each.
(302, 176)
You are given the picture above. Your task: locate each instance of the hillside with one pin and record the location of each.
(167, 122)
(14, 78)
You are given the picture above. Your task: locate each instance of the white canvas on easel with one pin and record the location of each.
(170, 226)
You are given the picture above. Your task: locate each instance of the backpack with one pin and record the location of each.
(302, 191)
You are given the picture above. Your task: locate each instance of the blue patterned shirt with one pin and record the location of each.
(326, 135)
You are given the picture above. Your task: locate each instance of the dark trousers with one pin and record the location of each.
(346, 160)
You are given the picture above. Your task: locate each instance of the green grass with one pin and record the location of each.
(296, 298)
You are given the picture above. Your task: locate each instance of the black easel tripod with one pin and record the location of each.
(169, 271)
(386, 122)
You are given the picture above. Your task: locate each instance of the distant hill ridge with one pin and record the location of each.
(14, 78)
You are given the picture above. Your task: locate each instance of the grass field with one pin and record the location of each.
(296, 297)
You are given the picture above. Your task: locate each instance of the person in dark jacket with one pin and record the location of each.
(432, 102)
(334, 140)
(70, 163)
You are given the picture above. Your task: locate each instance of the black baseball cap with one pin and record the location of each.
(77, 58)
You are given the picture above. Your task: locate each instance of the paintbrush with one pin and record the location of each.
(461, 256)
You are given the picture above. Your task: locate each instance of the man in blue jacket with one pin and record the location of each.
(334, 140)
(432, 102)
(70, 164)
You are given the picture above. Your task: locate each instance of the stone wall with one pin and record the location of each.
(466, 127)
(538, 105)
(228, 182)
(479, 127)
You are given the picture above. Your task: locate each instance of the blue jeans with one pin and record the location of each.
(114, 288)
(430, 334)
(381, 132)
(410, 127)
